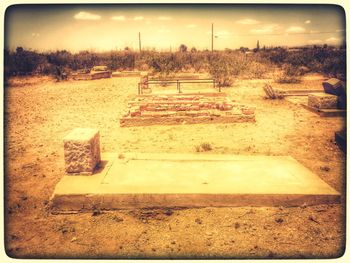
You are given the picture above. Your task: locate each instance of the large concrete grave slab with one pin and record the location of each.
(192, 180)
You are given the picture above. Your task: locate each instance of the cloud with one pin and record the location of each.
(35, 34)
(266, 29)
(315, 41)
(339, 30)
(248, 21)
(191, 26)
(295, 29)
(333, 40)
(314, 31)
(222, 34)
(138, 18)
(86, 16)
(307, 21)
(118, 18)
(148, 22)
(164, 18)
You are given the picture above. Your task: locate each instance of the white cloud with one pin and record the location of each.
(266, 29)
(118, 18)
(307, 21)
(295, 29)
(333, 40)
(222, 34)
(35, 34)
(163, 18)
(314, 31)
(191, 26)
(86, 16)
(248, 21)
(138, 18)
(315, 41)
(148, 22)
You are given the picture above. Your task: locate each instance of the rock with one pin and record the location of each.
(198, 221)
(168, 212)
(325, 168)
(279, 220)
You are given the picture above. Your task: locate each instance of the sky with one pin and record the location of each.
(166, 27)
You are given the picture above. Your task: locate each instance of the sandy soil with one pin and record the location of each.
(40, 112)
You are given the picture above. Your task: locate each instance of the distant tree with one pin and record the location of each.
(183, 48)
(25, 61)
(257, 47)
(193, 49)
(243, 49)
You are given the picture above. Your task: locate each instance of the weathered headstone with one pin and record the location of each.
(322, 101)
(336, 87)
(82, 151)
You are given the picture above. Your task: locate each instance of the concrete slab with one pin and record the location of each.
(297, 92)
(192, 180)
(325, 112)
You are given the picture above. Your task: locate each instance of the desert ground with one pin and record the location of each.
(39, 112)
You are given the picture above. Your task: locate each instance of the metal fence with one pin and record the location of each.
(178, 83)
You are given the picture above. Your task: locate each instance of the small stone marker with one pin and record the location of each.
(82, 151)
(322, 101)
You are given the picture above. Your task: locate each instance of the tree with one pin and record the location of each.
(243, 49)
(193, 49)
(183, 48)
(257, 47)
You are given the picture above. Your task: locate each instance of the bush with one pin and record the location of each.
(224, 67)
(290, 74)
(204, 147)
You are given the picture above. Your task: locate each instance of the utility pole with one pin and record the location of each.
(140, 42)
(212, 37)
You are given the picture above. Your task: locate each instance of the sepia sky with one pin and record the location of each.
(106, 27)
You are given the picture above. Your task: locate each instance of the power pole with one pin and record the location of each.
(140, 42)
(212, 37)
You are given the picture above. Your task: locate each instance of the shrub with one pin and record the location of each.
(203, 147)
(290, 74)
(224, 67)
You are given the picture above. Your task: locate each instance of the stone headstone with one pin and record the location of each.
(322, 101)
(336, 87)
(82, 151)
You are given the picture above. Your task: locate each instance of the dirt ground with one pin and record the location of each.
(40, 112)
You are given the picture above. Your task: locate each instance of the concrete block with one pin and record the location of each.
(322, 101)
(82, 151)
